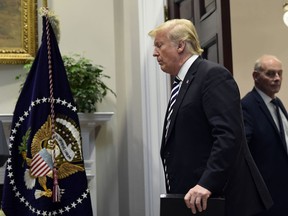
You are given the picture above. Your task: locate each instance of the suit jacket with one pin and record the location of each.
(267, 149)
(206, 143)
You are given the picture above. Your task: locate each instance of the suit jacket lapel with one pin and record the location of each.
(184, 87)
(264, 108)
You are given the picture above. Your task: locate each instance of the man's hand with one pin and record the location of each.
(196, 198)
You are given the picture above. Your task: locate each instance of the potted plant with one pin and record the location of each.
(85, 79)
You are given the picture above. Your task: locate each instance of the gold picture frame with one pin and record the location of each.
(18, 31)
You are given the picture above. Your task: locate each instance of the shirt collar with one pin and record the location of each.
(265, 97)
(185, 67)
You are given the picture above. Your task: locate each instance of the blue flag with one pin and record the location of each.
(45, 173)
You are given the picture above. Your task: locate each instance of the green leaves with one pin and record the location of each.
(85, 79)
(86, 83)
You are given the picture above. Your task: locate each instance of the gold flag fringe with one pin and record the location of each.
(53, 19)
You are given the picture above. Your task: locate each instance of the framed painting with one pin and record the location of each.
(18, 31)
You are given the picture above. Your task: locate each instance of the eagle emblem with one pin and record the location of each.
(61, 153)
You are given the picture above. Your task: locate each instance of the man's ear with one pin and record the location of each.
(181, 46)
(255, 76)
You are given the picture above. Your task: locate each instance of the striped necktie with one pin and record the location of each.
(174, 93)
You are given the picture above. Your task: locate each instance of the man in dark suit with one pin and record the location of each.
(267, 146)
(204, 151)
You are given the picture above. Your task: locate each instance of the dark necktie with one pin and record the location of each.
(174, 93)
(280, 122)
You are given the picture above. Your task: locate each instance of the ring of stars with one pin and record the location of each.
(9, 168)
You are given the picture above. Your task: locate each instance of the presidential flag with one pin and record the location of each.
(45, 173)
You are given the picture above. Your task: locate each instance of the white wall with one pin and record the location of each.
(257, 28)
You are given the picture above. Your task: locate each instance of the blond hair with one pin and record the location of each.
(180, 30)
